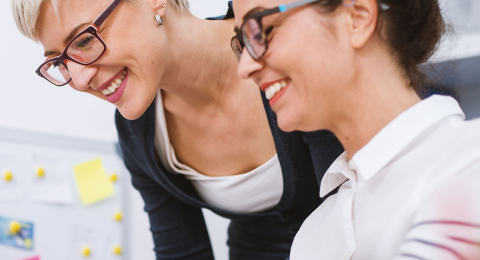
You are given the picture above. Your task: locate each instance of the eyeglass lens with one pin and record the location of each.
(237, 48)
(255, 40)
(85, 48)
(55, 72)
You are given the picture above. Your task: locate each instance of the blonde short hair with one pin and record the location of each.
(27, 12)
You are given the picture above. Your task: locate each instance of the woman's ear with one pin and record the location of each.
(158, 6)
(364, 16)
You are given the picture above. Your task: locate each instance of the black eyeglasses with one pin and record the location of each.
(85, 48)
(254, 38)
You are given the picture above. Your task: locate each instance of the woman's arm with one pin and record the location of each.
(448, 225)
(178, 229)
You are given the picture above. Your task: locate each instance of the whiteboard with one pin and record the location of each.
(58, 228)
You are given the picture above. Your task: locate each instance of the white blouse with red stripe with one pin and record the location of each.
(413, 192)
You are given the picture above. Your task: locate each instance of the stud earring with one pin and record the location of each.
(159, 19)
(163, 6)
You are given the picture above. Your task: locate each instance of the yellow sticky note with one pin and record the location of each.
(93, 183)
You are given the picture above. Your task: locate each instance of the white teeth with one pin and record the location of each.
(271, 91)
(277, 86)
(115, 85)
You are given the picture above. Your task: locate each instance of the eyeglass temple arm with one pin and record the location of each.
(286, 7)
(102, 17)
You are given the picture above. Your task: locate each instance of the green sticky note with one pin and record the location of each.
(92, 182)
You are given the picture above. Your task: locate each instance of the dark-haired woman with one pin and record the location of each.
(410, 177)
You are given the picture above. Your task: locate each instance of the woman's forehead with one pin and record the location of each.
(243, 7)
(56, 24)
(69, 14)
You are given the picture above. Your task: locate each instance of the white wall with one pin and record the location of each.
(31, 103)
(463, 22)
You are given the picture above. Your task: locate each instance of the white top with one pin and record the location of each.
(413, 192)
(258, 190)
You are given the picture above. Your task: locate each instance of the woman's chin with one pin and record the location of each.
(297, 121)
(288, 122)
(133, 107)
(131, 113)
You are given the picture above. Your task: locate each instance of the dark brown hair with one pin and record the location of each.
(411, 28)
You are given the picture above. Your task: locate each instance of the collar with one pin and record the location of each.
(390, 141)
(337, 174)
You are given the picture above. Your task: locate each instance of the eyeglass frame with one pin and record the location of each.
(92, 29)
(240, 33)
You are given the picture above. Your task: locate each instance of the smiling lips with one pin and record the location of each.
(114, 84)
(273, 90)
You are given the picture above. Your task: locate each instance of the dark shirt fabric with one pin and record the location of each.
(228, 15)
(174, 207)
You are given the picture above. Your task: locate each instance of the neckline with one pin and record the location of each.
(177, 167)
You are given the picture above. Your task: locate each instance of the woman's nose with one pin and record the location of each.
(81, 75)
(248, 66)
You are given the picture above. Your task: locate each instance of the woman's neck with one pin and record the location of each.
(380, 94)
(201, 68)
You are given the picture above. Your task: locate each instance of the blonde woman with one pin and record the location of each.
(193, 134)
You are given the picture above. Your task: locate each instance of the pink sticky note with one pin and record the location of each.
(32, 258)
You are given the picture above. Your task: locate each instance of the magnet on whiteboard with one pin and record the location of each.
(113, 177)
(28, 243)
(117, 250)
(8, 176)
(118, 216)
(86, 251)
(15, 227)
(40, 172)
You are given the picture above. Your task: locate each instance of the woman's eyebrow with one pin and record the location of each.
(72, 34)
(48, 53)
